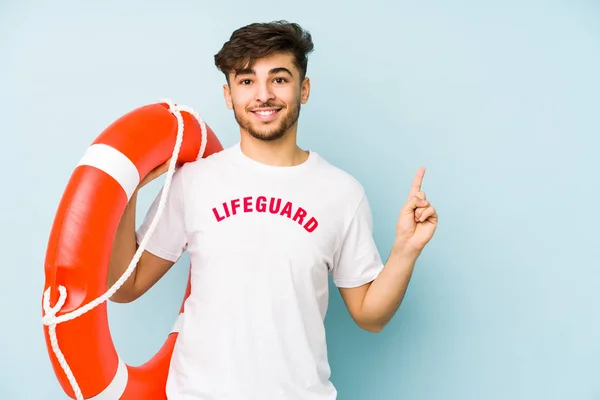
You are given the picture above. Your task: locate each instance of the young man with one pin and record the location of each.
(265, 222)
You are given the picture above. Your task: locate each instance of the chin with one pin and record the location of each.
(271, 131)
(266, 136)
(267, 132)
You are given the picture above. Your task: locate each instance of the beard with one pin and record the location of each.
(272, 131)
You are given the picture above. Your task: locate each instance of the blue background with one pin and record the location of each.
(498, 99)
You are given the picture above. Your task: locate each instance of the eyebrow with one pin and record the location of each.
(251, 71)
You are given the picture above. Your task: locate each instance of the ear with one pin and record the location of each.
(305, 91)
(227, 95)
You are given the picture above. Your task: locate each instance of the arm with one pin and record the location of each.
(149, 269)
(374, 304)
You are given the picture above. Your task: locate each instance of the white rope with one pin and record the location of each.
(50, 319)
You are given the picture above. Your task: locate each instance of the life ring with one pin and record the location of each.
(75, 319)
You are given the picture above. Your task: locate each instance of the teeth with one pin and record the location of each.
(265, 113)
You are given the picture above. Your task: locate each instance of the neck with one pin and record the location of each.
(283, 152)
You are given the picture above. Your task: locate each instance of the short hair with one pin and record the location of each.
(258, 40)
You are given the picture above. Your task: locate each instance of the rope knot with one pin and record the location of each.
(50, 312)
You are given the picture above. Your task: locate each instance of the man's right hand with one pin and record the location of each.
(155, 173)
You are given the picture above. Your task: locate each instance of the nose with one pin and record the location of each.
(264, 93)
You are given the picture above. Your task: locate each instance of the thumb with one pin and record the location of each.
(155, 173)
(412, 204)
(161, 169)
(165, 166)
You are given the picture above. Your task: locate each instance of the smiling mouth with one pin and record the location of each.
(266, 114)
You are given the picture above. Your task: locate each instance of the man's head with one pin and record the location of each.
(265, 67)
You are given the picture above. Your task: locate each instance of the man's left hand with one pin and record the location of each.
(418, 219)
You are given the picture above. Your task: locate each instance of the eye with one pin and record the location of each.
(280, 80)
(245, 82)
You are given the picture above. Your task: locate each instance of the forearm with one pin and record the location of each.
(123, 250)
(385, 293)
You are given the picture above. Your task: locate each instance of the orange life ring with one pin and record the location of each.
(75, 320)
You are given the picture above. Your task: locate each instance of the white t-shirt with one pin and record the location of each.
(262, 241)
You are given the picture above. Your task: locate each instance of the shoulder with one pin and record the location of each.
(343, 191)
(205, 165)
(339, 179)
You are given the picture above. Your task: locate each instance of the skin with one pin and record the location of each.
(273, 84)
(274, 87)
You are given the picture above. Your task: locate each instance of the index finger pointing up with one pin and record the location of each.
(417, 181)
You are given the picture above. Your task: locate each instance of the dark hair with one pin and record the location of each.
(258, 40)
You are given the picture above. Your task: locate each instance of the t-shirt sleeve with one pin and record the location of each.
(169, 239)
(358, 260)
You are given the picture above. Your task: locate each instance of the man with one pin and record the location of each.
(265, 222)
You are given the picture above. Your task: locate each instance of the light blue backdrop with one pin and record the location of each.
(499, 100)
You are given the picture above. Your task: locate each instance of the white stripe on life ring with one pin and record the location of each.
(115, 164)
(117, 387)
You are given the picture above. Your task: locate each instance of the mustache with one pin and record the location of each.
(266, 105)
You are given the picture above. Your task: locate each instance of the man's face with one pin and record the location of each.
(266, 99)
